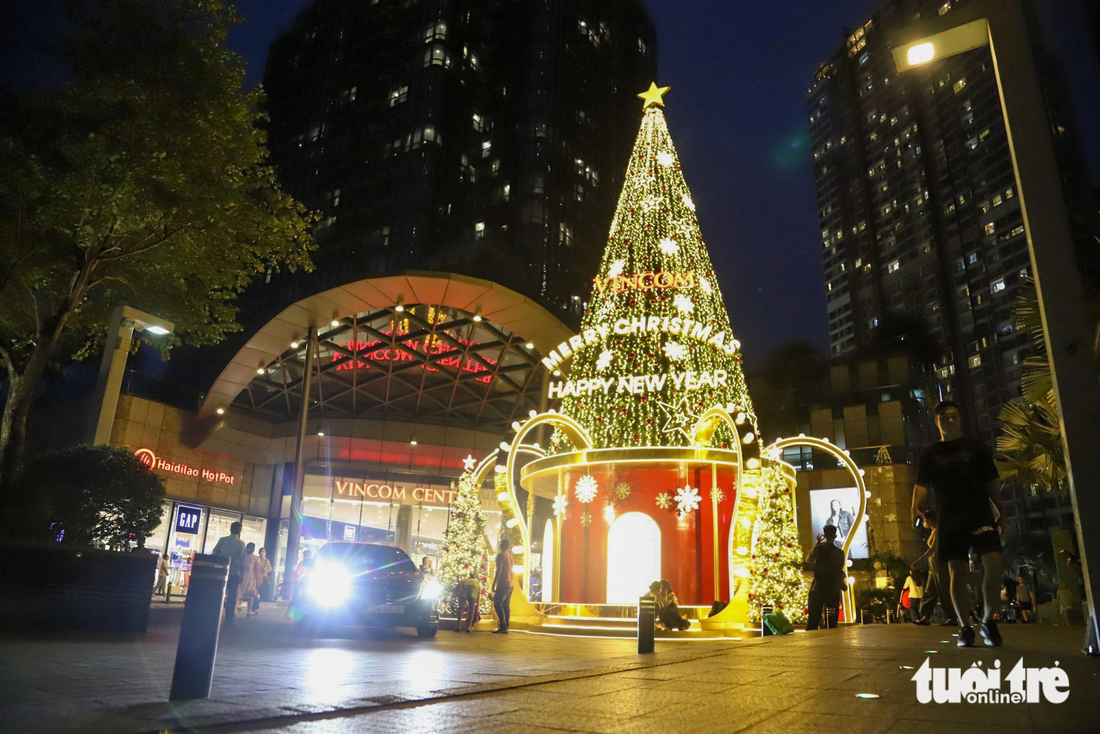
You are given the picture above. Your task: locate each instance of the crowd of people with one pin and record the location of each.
(249, 573)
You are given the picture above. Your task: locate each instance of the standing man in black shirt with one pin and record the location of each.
(964, 478)
(827, 561)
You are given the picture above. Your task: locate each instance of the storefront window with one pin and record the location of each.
(218, 527)
(185, 538)
(156, 541)
(253, 530)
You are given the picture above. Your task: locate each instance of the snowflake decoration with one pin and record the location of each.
(675, 350)
(663, 500)
(560, 503)
(604, 361)
(669, 246)
(665, 158)
(616, 269)
(586, 488)
(687, 499)
(688, 202)
(622, 490)
(706, 286)
(586, 518)
(651, 204)
(683, 304)
(718, 495)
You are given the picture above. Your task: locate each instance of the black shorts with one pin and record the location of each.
(955, 545)
(1025, 606)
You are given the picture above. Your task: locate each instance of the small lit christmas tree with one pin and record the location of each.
(776, 570)
(655, 349)
(464, 551)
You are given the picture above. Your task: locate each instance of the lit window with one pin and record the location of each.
(960, 85)
(336, 197)
(486, 148)
(893, 267)
(975, 360)
(990, 228)
(398, 95)
(437, 32)
(479, 123)
(641, 47)
(479, 230)
(565, 234)
(997, 286)
(436, 55)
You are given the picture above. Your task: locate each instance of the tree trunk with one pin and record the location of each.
(13, 423)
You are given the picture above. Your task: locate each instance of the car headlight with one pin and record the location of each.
(329, 584)
(430, 589)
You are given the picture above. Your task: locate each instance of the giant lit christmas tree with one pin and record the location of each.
(657, 346)
(664, 438)
(464, 553)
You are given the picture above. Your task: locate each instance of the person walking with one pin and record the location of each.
(426, 567)
(503, 583)
(827, 563)
(248, 589)
(263, 575)
(301, 571)
(914, 583)
(161, 588)
(1025, 599)
(232, 547)
(469, 596)
(961, 473)
(935, 585)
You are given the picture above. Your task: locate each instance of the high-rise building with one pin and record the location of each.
(921, 228)
(477, 137)
(917, 204)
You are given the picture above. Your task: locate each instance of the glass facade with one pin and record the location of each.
(187, 528)
(391, 509)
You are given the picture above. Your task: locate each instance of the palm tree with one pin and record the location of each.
(1030, 444)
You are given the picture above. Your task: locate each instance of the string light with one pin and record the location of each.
(655, 231)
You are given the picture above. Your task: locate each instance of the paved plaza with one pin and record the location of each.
(269, 678)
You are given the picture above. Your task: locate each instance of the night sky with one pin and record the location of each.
(739, 73)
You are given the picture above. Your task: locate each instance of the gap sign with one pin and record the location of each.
(187, 519)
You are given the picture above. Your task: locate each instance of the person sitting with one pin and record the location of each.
(668, 613)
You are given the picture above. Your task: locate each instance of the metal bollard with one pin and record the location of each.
(765, 610)
(647, 618)
(200, 628)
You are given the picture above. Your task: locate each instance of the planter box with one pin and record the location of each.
(62, 587)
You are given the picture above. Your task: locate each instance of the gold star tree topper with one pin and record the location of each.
(652, 96)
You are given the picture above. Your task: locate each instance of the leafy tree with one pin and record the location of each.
(142, 180)
(84, 493)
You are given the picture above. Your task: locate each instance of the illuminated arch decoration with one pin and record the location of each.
(701, 435)
(775, 452)
(573, 430)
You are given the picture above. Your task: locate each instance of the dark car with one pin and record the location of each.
(368, 584)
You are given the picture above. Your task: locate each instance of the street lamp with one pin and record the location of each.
(113, 365)
(1002, 26)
